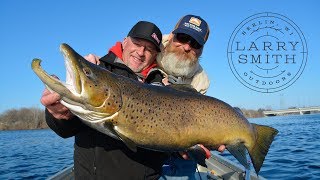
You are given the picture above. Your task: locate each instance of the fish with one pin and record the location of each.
(154, 117)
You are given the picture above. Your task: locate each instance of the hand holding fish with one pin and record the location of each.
(51, 101)
(155, 117)
(205, 151)
(93, 58)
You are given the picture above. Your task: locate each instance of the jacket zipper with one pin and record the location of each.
(95, 153)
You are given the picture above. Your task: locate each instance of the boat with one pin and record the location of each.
(219, 168)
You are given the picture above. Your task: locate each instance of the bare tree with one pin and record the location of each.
(24, 118)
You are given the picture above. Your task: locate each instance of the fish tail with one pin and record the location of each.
(258, 152)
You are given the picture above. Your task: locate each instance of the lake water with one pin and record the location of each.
(33, 154)
(38, 154)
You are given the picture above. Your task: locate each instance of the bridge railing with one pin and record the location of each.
(304, 110)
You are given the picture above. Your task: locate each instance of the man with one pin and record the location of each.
(96, 155)
(180, 53)
(179, 62)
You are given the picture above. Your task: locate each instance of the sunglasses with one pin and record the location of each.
(185, 38)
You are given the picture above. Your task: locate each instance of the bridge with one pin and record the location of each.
(304, 110)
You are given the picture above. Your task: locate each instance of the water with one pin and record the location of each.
(295, 152)
(38, 154)
(33, 154)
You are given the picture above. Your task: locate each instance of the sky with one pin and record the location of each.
(35, 29)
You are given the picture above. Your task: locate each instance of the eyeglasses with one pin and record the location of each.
(185, 38)
(137, 42)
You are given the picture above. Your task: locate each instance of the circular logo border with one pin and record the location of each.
(294, 78)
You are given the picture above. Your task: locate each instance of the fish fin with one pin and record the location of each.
(128, 142)
(183, 87)
(197, 154)
(258, 152)
(239, 152)
(111, 132)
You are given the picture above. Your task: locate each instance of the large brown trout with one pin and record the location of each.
(154, 117)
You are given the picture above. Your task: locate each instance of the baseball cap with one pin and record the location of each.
(194, 26)
(148, 31)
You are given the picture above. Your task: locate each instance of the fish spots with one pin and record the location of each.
(114, 122)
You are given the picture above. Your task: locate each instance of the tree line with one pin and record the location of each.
(23, 118)
(34, 118)
(249, 113)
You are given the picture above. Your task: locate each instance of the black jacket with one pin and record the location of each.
(98, 156)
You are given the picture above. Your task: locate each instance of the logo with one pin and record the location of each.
(195, 21)
(267, 52)
(155, 37)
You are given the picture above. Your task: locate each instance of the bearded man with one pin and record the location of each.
(181, 51)
(179, 64)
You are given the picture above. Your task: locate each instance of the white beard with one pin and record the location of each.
(171, 64)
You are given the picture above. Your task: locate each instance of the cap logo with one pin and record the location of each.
(192, 26)
(155, 37)
(195, 21)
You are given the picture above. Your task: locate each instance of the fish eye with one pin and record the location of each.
(87, 71)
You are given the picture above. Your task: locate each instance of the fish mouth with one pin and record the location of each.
(73, 79)
(71, 90)
(87, 92)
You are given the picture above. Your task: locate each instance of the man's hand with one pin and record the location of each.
(204, 151)
(93, 58)
(222, 148)
(165, 81)
(199, 153)
(52, 102)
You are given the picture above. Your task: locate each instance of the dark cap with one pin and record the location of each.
(194, 26)
(148, 31)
